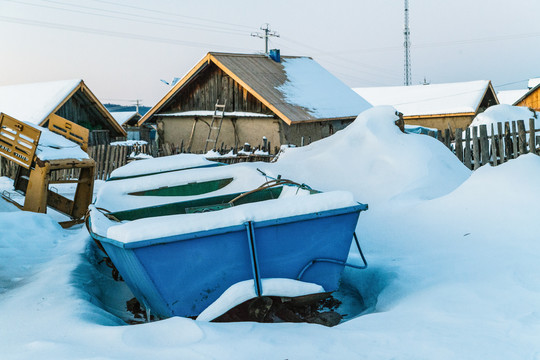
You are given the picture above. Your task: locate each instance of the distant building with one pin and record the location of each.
(531, 98)
(285, 99)
(439, 106)
(128, 120)
(70, 99)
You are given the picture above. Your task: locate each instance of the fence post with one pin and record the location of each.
(507, 141)
(467, 155)
(459, 144)
(501, 142)
(484, 144)
(514, 140)
(532, 133)
(476, 148)
(522, 137)
(493, 145)
(447, 138)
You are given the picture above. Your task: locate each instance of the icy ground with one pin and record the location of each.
(453, 269)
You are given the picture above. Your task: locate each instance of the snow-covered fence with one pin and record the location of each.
(476, 146)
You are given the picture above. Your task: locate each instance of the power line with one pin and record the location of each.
(112, 33)
(137, 18)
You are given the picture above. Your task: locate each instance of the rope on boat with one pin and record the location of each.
(270, 184)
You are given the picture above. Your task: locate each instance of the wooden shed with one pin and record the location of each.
(284, 99)
(438, 106)
(70, 99)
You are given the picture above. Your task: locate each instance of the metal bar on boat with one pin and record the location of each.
(253, 254)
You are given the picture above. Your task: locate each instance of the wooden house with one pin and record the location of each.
(284, 99)
(71, 99)
(438, 106)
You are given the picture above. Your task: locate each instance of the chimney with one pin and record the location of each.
(274, 55)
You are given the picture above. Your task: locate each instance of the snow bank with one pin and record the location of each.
(505, 113)
(375, 160)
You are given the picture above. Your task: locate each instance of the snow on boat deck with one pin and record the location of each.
(291, 203)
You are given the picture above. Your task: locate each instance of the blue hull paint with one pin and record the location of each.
(182, 275)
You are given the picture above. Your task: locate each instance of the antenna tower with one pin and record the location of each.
(266, 35)
(407, 44)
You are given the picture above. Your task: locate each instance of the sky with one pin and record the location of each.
(122, 49)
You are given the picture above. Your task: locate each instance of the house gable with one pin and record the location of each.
(212, 85)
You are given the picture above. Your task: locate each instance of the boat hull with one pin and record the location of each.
(182, 275)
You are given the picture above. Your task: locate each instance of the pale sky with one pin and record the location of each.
(122, 48)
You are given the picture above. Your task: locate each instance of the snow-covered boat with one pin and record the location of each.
(179, 257)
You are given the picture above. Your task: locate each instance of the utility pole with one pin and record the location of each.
(266, 35)
(407, 44)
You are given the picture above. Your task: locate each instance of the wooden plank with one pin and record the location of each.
(522, 137)
(532, 142)
(484, 144)
(500, 143)
(447, 138)
(507, 141)
(493, 146)
(459, 144)
(467, 153)
(514, 140)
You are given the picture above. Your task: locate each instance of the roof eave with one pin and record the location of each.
(204, 61)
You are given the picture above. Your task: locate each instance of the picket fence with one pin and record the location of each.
(476, 146)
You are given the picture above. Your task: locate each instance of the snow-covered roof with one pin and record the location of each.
(313, 88)
(510, 97)
(203, 113)
(433, 99)
(533, 82)
(296, 89)
(122, 117)
(33, 103)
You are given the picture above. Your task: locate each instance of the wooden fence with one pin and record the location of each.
(474, 147)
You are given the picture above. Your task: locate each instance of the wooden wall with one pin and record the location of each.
(441, 122)
(81, 111)
(532, 101)
(208, 87)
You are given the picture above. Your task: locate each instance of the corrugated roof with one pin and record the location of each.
(297, 89)
(433, 99)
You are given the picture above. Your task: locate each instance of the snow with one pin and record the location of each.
(433, 99)
(244, 290)
(509, 97)
(33, 103)
(115, 195)
(287, 205)
(166, 163)
(211, 113)
(129, 143)
(453, 269)
(52, 146)
(532, 83)
(310, 86)
(122, 116)
(505, 113)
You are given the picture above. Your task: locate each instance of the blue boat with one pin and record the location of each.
(180, 258)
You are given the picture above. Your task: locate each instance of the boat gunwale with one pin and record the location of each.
(164, 171)
(223, 230)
